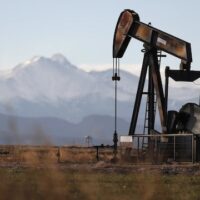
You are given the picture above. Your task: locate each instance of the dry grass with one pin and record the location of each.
(68, 184)
(49, 154)
(34, 173)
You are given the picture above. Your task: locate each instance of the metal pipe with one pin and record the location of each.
(166, 87)
(151, 117)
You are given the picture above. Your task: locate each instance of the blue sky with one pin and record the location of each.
(83, 30)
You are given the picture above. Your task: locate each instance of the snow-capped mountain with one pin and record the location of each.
(44, 79)
(54, 87)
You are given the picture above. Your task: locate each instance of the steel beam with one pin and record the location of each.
(139, 94)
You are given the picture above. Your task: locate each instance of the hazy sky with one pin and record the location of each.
(83, 30)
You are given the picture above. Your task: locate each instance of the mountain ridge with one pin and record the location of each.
(49, 130)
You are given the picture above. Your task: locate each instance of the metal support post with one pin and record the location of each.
(174, 148)
(115, 141)
(139, 94)
(166, 86)
(193, 148)
(138, 145)
(159, 89)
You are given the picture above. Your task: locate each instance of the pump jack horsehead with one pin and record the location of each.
(129, 26)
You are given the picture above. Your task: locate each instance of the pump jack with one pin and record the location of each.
(129, 26)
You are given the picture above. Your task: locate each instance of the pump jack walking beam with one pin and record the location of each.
(129, 26)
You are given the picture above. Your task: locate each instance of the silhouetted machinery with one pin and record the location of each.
(186, 122)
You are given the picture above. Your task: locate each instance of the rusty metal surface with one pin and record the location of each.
(162, 41)
(121, 39)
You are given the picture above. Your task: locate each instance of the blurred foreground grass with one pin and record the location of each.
(57, 183)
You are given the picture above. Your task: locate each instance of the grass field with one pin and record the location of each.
(33, 183)
(36, 174)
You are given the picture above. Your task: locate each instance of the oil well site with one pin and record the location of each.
(152, 163)
(178, 139)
